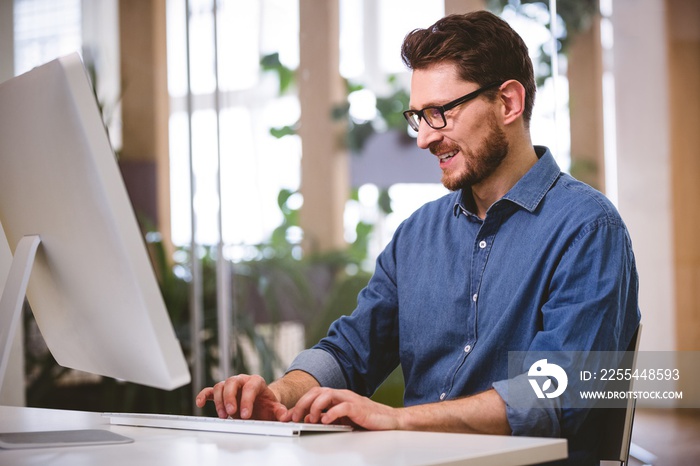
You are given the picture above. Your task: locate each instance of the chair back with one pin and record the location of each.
(617, 422)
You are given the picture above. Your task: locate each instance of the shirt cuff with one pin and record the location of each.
(321, 366)
(524, 420)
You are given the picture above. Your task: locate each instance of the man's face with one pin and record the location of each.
(472, 145)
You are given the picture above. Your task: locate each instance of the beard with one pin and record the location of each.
(480, 163)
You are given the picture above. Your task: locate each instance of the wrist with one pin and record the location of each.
(292, 386)
(275, 388)
(403, 419)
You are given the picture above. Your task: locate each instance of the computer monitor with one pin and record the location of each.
(91, 285)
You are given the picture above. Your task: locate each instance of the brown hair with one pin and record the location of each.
(484, 47)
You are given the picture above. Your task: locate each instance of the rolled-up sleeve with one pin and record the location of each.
(537, 422)
(591, 307)
(321, 366)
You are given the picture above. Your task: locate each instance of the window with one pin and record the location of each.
(254, 166)
(44, 30)
(233, 108)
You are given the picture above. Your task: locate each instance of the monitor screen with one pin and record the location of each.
(92, 288)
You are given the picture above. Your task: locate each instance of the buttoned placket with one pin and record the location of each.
(480, 253)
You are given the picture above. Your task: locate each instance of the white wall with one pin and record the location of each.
(644, 162)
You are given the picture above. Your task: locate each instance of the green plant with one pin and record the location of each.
(107, 109)
(276, 284)
(575, 14)
(389, 108)
(389, 115)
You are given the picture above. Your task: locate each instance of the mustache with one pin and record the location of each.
(440, 148)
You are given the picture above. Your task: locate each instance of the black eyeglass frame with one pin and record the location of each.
(441, 109)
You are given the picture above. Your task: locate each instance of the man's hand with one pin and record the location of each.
(243, 397)
(249, 397)
(330, 406)
(483, 413)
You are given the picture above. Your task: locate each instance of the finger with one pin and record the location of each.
(312, 404)
(218, 397)
(301, 408)
(338, 412)
(322, 403)
(250, 390)
(204, 396)
(283, 414)
(230, 395)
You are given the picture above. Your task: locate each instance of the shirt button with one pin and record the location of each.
(467, 348)
(474, 297)
(442, 396)
(482, 244)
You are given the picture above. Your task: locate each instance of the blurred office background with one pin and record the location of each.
(263, 148)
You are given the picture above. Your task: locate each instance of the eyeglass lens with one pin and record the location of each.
(433, 116)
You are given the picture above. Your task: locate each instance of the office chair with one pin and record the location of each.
(617, 422)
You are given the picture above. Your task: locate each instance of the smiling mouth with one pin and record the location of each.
(447, 155)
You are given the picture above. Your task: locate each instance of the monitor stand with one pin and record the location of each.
(12, 298)
(11, 303)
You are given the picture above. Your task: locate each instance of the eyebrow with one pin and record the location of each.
(410, 107)
(482, 89)
(433, 104)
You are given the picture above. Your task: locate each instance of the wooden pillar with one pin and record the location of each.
(324, 163)
(683, 28)
(585, 74)
(145, 109)
(463, 6)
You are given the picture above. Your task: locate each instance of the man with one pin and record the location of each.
(519, 257)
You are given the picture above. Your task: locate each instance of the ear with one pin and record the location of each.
(513, 100)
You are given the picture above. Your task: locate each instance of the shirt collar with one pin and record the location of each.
(529, 191)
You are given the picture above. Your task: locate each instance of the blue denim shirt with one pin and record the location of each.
(550, 268)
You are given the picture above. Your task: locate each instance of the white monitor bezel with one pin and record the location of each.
(92, 289)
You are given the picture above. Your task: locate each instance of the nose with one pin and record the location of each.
(427, 135)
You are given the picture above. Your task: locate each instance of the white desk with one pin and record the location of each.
(173, 447)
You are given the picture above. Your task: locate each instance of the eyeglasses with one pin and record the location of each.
(435, 115)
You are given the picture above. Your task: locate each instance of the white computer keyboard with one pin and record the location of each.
(214, 424)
